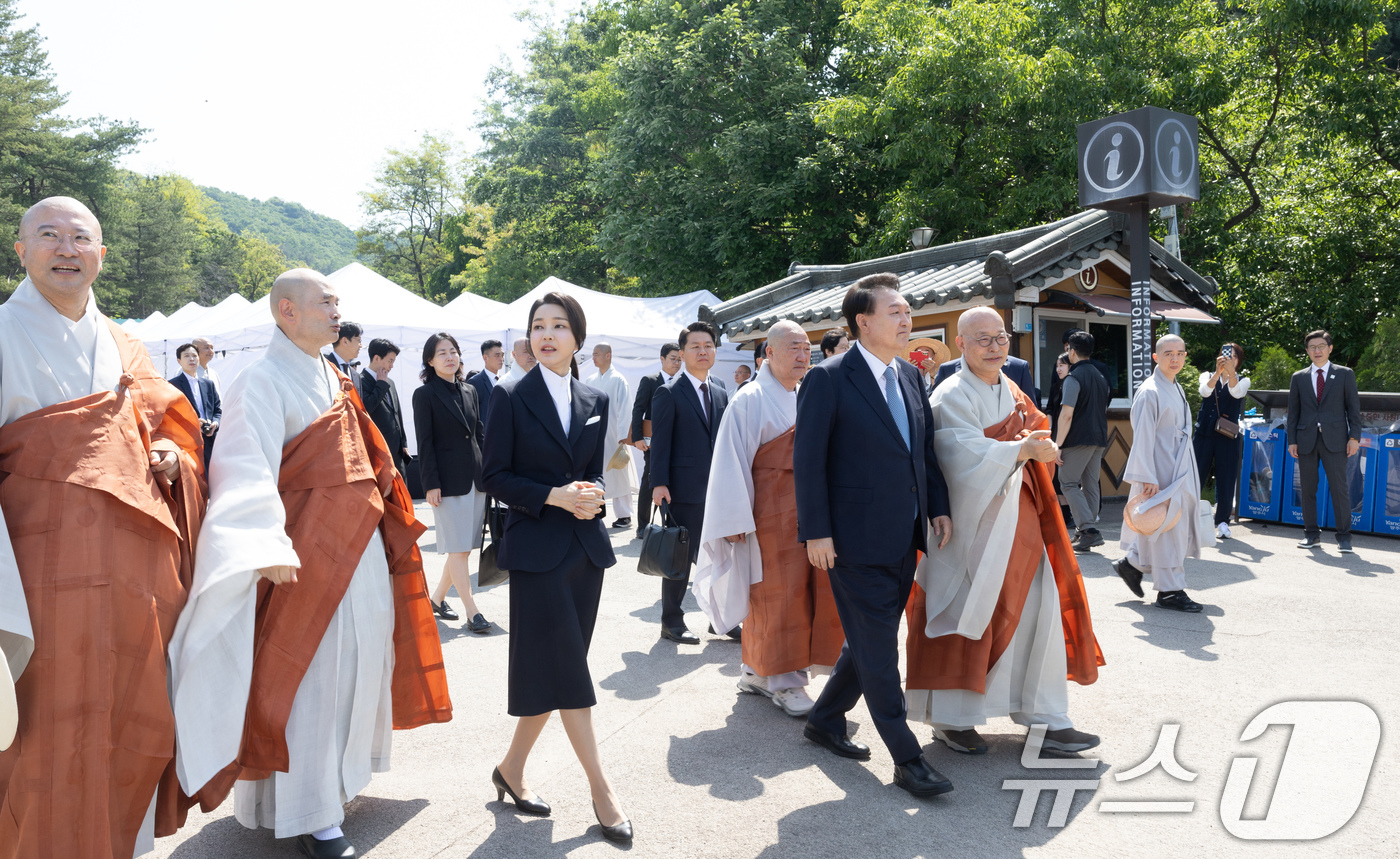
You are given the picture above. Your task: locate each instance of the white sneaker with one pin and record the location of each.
(754, 684)
(1223, 530)
(794, 701)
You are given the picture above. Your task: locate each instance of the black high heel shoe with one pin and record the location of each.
(534, 806)
(619, 834)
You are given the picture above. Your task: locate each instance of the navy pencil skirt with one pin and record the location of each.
(552, 615)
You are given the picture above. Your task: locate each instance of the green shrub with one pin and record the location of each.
(1380, 364)
(1274, 370)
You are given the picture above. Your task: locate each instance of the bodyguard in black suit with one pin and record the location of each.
(1324, 425)
(344, 354)
(685, 418)
(641, 412)
(381, 399)
(868, 488)
(545, 455)
(207, 405)
(493, 354)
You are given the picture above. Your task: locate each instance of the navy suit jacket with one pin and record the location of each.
(213, 410)
(682, 445)
(1016, 370)
(527, 454)
(854, 475)
(483, 385)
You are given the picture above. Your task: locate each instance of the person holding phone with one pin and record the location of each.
(1218, 442)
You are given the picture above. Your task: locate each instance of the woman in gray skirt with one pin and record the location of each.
(447, 418)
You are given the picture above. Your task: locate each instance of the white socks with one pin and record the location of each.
(330, 833)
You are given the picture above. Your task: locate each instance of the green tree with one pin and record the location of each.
(151, 241)
(1380, 365)
(414, 195)
(1274, 370)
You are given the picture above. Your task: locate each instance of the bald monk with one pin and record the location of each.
(522, 360)
(999, 618)
(102, 493)
(751, 564)
(309, 602)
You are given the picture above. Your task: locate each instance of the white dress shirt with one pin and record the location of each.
(561, 391)
(696, 383)
(193, 382)
(878, 369)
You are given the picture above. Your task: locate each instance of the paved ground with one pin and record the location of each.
(706, 772)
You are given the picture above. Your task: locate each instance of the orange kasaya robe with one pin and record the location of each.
(104, 549)
(338, 484)
(956, 662)
(792, 622)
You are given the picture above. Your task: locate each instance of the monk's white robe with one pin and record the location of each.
(1162, 454)
(963, 580)
(758, 413)
(619, 484)
(45, 359)
(341, 721)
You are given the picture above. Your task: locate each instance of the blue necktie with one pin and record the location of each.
(901, 420)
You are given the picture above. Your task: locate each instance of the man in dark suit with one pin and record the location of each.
(344, 354)
(381, 398)
(493, 355)
(201, 393)
(641, 415)
(685, 418)
(1324, 425)
(868, 490)
(1016, 370)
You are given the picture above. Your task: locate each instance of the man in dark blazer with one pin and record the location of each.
(493, 355)
(1016, 370)
(381, 398)
(641, 413)
(685, 418)
(1324, 425)
(868, 490)
(344, 354)
(201, 393)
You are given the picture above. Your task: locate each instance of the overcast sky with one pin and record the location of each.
(280, 98)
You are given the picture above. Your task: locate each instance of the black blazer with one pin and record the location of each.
(481, 381)
(447, 421)
(641, 406)
(352, 372)
(381, 400)
(527, 455)
(681, 444)
(1016, 369)
(1339, 413)
(854, 474)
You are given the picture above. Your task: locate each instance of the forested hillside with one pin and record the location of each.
(320, 241)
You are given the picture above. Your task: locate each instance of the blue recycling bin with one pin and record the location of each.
(1385, 486)
(1361, 471)
(1261, 472)
(1291, 510)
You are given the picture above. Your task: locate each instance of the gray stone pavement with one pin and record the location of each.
(707, 772)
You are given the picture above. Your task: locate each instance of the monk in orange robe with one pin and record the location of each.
(102, 491)
(998, 620)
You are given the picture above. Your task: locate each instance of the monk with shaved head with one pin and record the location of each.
(308, 636)
(999, 617)
(102, 469)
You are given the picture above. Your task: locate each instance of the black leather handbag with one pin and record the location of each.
(665, 547)
(488, 572)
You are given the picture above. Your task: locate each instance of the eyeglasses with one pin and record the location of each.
(985, 340)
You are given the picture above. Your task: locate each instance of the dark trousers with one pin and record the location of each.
(870, 601)
(1335, 464)
(644, 494)
(691, 517)
(1214, 449)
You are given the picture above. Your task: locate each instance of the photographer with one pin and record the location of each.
(1217, 440)
(201, 393)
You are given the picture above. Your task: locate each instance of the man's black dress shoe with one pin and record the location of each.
(843, 746)
(536, 806)
(444, 611)
(1130, 575)
(1177, 601)
(920, 779)
(737, 633)
(619, 834)
(336, 848)
(624, 522)
(679, 635)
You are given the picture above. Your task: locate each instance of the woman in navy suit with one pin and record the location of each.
(545, 449)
